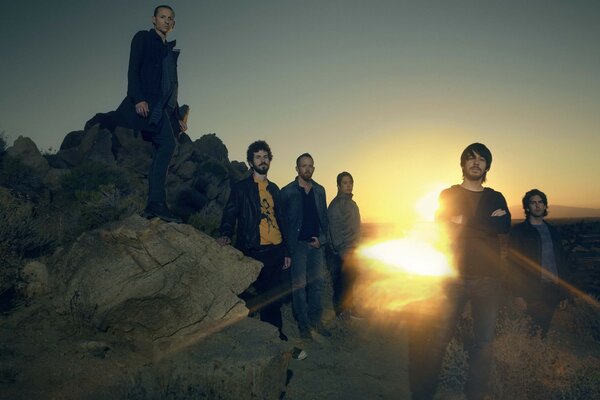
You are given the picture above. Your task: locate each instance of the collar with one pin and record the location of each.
(156, 36)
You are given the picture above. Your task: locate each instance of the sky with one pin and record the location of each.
(391, 91)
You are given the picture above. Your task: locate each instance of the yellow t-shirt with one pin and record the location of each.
(269, 230)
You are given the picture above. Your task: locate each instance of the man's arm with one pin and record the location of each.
(230, 214)
(498, 221)
(134, 82)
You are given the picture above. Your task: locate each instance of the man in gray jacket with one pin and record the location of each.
(305, 222)
(344, 234)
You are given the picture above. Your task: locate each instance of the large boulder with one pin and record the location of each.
(26, 150)
(151, 279)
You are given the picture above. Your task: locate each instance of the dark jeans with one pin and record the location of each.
(430, 335)
(270, 287)
(164, 144)
(541, 306)
(307, 284)
(343, 277)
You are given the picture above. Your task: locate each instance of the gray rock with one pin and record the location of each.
(35, 276)
(26, 150)
(151, 279)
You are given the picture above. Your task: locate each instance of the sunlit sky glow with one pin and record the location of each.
(391, 91)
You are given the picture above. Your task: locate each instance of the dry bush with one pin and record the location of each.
(529, 368)
(585, 318)
(104, 205)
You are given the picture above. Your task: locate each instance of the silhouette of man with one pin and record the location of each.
(151, 103)
(536, 253)
(254, 206)
(474, 216)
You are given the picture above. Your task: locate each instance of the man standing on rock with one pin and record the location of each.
(151, 103)
(537, 255)
(474, 217)
(306, 224)
(254, 206)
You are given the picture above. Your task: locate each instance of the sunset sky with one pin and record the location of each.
(390, 91)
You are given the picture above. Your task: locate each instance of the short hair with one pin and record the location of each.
(341, 176)
(302, 156)
(529, 195)
(255, 148)
(480, 149)
(163, 6)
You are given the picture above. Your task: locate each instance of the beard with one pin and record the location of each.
(261, 168)
(474, 174)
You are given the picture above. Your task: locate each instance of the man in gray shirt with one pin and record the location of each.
(538, 263)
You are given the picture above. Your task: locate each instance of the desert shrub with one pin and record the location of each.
(208, 224)
(529, 367)
(23, 234)
(585, 318)
(19, 177)
(454, 368)
(105, 204)
(89, 176)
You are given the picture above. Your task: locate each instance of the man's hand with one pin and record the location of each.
(224, 241)
(499, 213)
(142, 109)
(182, 125)
(314, 242)
(287, 262)
(457, 219)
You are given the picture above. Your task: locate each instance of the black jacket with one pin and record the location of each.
(475, 242)
(144, 79)
(525, 257)
(243, 207)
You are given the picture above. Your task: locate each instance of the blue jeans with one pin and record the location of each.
(307, 284)
(428, 341)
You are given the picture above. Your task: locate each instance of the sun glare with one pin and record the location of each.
(400, 272)
(409, 255)
(428, 204)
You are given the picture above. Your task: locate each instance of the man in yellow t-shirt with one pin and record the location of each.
(253, 206)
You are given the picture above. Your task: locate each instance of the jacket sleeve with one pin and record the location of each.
(516, 276)
(134, 73)
(489, 224)
(325, 223)
(230, 213)
(334, 217)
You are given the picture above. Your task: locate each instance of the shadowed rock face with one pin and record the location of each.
(200, 174)
(151, 279)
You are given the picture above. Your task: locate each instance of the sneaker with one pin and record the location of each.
(306, 335)
(160, 210)
(299, 354)
(321, 330)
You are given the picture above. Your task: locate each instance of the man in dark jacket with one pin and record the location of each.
(305, 211)
(254, 206)
(474, 217)
(151, 103)
(536, 253)
(344, 234)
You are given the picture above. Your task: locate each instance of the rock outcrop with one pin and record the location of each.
(151, 280)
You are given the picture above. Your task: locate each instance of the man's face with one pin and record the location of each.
(305, 168)
(261, 162)
(164, 21)
(536, 206)
(346, 185)
(474, 168)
